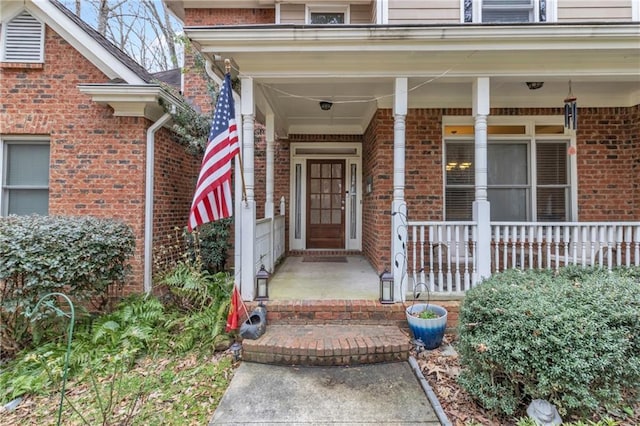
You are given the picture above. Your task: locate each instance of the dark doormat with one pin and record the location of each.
(325, 259)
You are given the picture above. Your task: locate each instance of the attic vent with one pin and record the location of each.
(23, 39)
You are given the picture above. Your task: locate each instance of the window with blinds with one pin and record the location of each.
(23, 39)
(552, 195)
(507, 11)
(515, 193)
(25, 177)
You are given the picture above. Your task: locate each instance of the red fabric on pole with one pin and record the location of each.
(212, 199)
(233, 319)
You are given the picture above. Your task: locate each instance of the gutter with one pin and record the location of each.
(148, 201)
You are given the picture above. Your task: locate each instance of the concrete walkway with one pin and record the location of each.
(363, 395)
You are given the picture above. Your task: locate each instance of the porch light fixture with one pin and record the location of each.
(262, 284)
(386, 287)
(325, 105)
(570, 110)
(535, 85)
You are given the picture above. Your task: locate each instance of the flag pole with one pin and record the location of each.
(227, 68)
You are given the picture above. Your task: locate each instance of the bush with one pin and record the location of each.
(572, 338)
(45, 254)
(210, 241)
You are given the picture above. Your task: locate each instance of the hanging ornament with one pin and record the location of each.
(570, 110)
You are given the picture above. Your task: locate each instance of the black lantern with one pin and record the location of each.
(386, 287)
(570, 111)
(262, 284)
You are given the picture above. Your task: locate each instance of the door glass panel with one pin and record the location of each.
(337, 171)
(336, 216)
(336, 187)
(315, 170)
(326, 201)
(326, 216)
(326, 186)
(315, 186)
(326, 170)
(315, 217)
(337, 200)
(353, 206)
(315, 201)
(298, 201)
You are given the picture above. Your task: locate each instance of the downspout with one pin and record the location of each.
(148, 201)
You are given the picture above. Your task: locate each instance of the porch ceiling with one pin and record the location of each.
(294, 67)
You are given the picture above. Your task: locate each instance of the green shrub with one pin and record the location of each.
(572, 338)
(211, 242)
(43, 254)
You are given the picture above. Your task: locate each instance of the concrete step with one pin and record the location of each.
(328, 344)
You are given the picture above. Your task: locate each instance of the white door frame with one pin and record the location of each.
(351, 153)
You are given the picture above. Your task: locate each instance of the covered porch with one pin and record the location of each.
(441, 153)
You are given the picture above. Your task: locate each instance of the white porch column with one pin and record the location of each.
(270, 137)
(247, 213)
(481, 208)
(399, 205)
(270, 184)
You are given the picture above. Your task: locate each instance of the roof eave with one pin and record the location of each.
(132, 100)
(435, 37)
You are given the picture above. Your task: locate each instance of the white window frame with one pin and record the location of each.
(15, 140)
(552, 11)
(531, 139)
(328, 8)
(4, 39)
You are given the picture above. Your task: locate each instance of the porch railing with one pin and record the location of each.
(270, 239)
(442, 255)
(269, 245)
(544, 245)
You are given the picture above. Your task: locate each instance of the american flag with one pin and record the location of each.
(212, 199)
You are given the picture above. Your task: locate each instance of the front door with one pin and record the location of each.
(325, 201)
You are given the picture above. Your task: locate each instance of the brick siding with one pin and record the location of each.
(176, 173)
(207, 17)
(97, 160)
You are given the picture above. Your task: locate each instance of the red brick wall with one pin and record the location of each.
(606, 153)
(195, 86)
(175, 179)
(377, 163)
(202, 17)
(97, 161)
(634, 132)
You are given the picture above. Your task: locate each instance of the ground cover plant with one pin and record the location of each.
(571, 337)
(152, 360)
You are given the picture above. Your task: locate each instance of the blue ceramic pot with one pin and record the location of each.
(430, 331)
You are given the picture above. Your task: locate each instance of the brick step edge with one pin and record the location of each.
(362, 312)
(310, 345)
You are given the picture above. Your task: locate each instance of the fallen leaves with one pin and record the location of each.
(441, 368)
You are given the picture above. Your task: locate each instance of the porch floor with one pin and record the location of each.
(296, 279)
